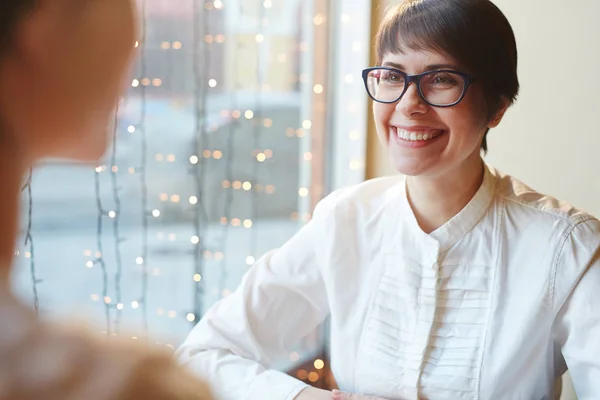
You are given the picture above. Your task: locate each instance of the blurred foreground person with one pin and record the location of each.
(62, 67)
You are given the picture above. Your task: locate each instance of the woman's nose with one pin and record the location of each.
(411, 102)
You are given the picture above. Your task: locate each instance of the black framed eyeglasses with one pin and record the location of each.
(438, 88)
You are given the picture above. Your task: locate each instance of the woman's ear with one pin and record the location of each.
(497, 117)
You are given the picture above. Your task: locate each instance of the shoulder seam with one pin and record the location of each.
(575, 221)
(554, 268)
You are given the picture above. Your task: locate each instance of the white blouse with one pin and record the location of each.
(495, 304)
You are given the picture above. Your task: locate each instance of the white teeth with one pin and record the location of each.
(414, 136)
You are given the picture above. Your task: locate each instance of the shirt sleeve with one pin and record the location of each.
(280, 300)
(577, 327)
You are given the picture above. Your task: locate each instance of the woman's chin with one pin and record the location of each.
(411, 167)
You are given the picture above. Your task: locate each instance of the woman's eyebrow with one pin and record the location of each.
(428, 67)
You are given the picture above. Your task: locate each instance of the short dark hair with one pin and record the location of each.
(11, 11)
(474, 32)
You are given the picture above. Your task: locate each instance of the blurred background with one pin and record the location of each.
(239, 117)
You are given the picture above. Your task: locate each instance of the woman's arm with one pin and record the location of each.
(577, 326)
(280, 300)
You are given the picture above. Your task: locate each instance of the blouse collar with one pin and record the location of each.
(453, 230)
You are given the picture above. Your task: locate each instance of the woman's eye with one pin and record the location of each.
(443, 79)
(392, 77)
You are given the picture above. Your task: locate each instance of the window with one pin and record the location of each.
(240, 116)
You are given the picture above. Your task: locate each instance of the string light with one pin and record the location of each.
(29, 242)
(302, 374)
(319, 19)
(99, 245)
(319, 364)
(143, 174)
(117, 240)
(198, 170)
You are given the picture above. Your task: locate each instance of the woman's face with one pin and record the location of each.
(457, 131)
(62, 78)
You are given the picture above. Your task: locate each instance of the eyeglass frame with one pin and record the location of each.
(416, 79)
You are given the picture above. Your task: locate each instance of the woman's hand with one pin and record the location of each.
(311, 393)
(337, 395)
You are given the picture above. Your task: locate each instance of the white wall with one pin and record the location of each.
(550, 139)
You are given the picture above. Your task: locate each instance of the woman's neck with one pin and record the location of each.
(12, 168)
(435, 200)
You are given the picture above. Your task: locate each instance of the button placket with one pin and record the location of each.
(429, 279)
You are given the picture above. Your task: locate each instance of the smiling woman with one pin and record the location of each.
(456, 281)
